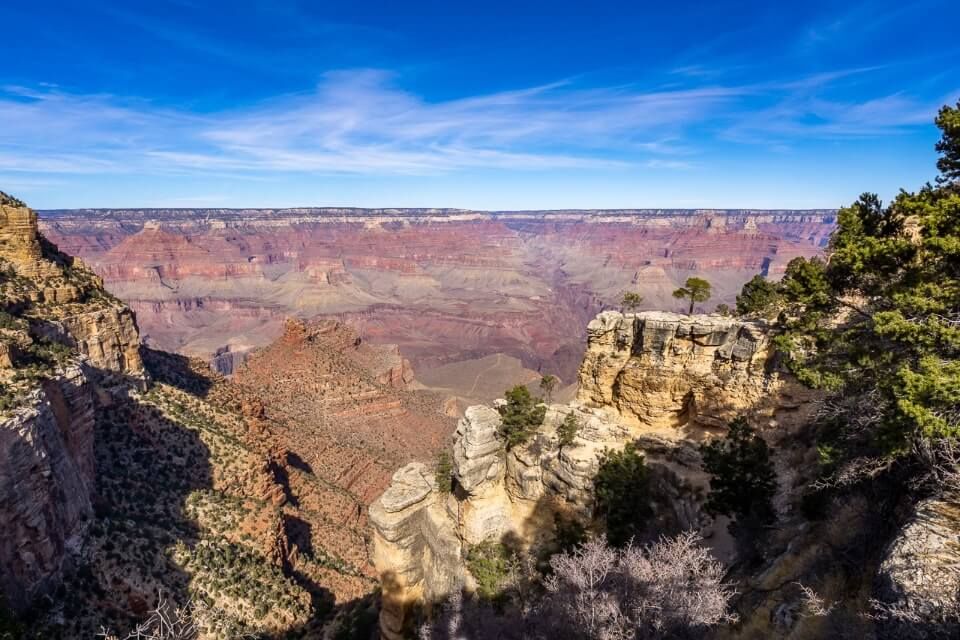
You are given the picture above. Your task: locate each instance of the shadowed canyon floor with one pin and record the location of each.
(446, 286)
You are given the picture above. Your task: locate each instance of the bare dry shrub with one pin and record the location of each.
(167, 621)
(669, 589)
(672, 589)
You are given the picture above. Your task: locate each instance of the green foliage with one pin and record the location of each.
(444, 472)
(568, 430)
(723, 309)
(696, 289)
(622, 492)
(489, 564)
(9, 321)
(881, 319)
(759, 297)
(742, 479)
(631, 301)
(547, 384)
(520, 416)
(949, 145)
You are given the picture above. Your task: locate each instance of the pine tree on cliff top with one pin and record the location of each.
(878, 322)
(696, 289)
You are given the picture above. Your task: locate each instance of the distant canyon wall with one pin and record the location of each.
(443, 284)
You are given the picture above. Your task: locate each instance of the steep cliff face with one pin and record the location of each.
(657, 380)
(63, 338)
(46, 480)
(671, 373)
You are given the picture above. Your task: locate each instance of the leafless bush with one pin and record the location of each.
(854, 471)
(909, 620)
(858, 413)
(941, 460)
(671, 589)
(668, 589)
(814, 605)
(170, 622)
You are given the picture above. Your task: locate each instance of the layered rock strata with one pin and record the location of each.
(445, 285)
(671, 373)
(65, 339)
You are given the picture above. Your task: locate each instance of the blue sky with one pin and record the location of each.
(483, 105)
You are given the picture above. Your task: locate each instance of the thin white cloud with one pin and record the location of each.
(362, 122)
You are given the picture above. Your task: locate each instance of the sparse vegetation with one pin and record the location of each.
(567, 430)
(696, 290)
(672, 589)
(443, 469)
(548, 384)
(489, 564)
(631, 301)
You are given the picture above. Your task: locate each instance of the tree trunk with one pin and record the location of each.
(691, 306)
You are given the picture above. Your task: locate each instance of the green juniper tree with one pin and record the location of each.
(758, 297)
(878, 322)
(519, 416)
(443, 470)
(568, 430)
(631, 301)
(548, 384)
(622, 494)
(742, 479)
(696, 289)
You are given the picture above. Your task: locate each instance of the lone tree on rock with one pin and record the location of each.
(696, 289)
(631, 301)
(520, 416)
(547, 384)
(568, 430)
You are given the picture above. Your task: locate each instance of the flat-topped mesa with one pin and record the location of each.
(669, 373)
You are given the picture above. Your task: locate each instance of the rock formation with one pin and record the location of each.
(920, 572)
(19, 238)
(670, 373)
(652, 379)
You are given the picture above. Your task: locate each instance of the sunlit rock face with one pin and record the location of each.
(669, 373)
(52, 304)
(444, 285)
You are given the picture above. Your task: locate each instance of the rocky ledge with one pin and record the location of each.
(671, 373)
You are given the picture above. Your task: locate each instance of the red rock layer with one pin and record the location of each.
(444, 285)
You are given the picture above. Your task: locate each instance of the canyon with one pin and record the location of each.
(449, 287)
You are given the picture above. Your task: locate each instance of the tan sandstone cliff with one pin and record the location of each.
(659, 380)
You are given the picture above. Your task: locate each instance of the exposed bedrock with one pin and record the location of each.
(672, 373)
(46, 480)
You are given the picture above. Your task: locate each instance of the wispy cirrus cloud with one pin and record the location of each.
(363, 122)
